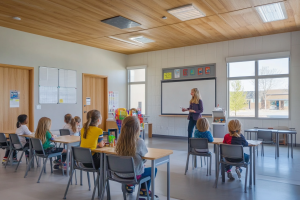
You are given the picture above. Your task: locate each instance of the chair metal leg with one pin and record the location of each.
(44, 166)
(36, 159)
(19, 161)
(75, 178)
(89, 182)
(62, 169)
(195, 162)
(94, 177)
(147, 189)
(204, 161)
(70, 179)
(108, 190)
(246, 179)
(210, 165)
(28, 166)
(138, 192)
(187, 163)
(81, 177)
(95, 186)
(124, 191)
(51, 165)
(206, 166)
(10, 152)
(201, 160)
(43, 169)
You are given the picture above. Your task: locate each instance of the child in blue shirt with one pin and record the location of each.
(202, 130)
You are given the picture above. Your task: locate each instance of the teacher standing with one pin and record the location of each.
(195, 110)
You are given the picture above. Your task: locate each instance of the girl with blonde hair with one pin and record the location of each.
(130, 144)
(202, 130)
(195, 110)
(235, 137)
(43, 133)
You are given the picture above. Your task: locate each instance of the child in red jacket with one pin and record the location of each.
(235, 137)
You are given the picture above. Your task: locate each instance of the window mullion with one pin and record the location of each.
(256, 89)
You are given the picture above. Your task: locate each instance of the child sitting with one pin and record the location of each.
(235, 137)
(202, 130)
(72, 124)
(130, 144)
(43, 133)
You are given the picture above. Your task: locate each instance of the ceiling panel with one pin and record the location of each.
(79, 21)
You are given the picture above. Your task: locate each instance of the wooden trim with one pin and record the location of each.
(31, 92)
(207, 116)
(105, 115)
(94, 75)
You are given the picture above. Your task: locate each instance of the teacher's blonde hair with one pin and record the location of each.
(195, 99)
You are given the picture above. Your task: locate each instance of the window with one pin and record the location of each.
(137, 88)
(259, 88)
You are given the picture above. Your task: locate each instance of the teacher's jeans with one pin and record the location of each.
(192, 124)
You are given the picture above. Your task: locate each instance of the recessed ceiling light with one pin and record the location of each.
(272, 12)
(17, 18)
(142, 39)
(119, 39)
(186, 12)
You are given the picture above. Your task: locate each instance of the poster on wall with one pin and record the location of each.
(167, 75)
(176, 73)
(113, 101)
(192, 72)
(185, 72)
(200, 71)
(207, 70)
(14, 99)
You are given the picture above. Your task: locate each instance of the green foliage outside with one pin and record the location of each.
(237, 96)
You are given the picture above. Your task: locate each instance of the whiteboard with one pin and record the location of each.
(48, 77)
(48, 95)
(176, 94)
(67, 78)
(67, 95)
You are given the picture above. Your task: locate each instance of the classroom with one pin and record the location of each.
(150, 99)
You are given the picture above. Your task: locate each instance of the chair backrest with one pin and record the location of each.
(265, 135)
(3, 138)
(63, 132)
(82, 156)
(37, 145)
(232, 151)
(118, 165)
(198, 143)
(14, 138)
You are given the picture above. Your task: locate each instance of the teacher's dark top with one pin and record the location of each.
(198, 108)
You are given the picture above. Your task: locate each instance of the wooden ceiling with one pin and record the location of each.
(79, 21)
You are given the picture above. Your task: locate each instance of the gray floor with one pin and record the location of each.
(276, 179)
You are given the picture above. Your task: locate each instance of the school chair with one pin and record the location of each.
(232, 152)
(198, 147)
(38, 151)
(266, 138)
(15, 140)
(3, 142)
(82, 157)
(116, 166)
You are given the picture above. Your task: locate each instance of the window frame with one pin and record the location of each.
(256, 77)
(136, 83)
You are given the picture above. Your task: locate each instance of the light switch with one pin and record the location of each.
(38, 107)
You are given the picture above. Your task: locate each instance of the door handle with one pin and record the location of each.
(84, 112)
(84, 105)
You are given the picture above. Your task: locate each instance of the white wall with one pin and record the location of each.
(25, 49)
(216, 53)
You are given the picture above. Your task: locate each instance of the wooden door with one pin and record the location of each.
(94, 87)
(15, 78)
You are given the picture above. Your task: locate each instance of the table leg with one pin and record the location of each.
(152, 179)
(101, 186)
(251, 163)
(287, 138)
(216, 159)
(254, 165)
(168, 180)
(277, 142)
(295, 140)
(292, 146)
(68, 159)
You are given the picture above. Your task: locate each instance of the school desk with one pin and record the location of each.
(157, 157)
(276, 132)
(251, 144)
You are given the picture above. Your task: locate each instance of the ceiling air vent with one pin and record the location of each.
(120, 22)
(186, 12)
